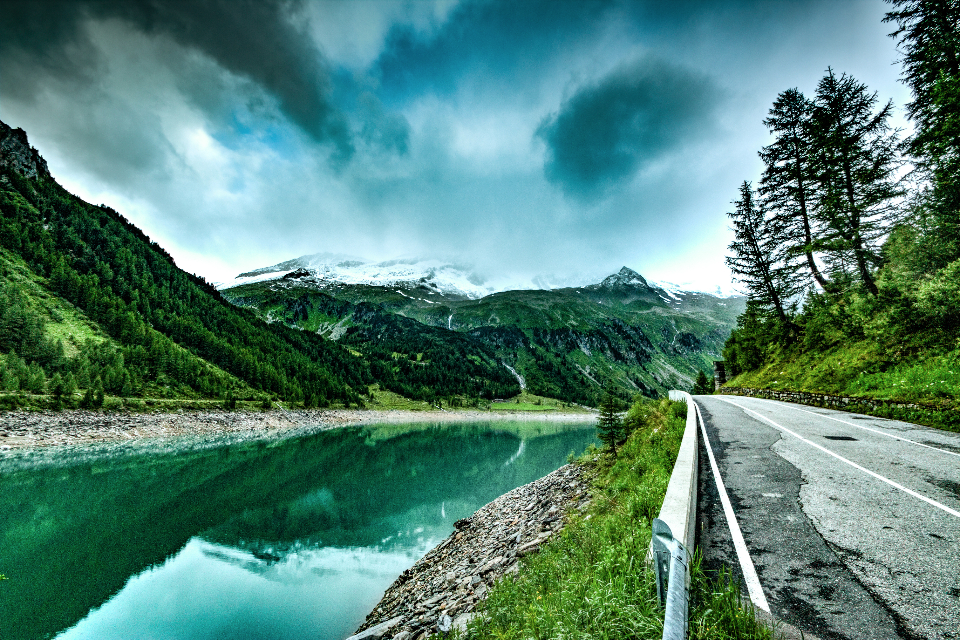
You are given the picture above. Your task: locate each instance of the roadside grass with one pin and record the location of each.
(864, 370)
(592, 580)
(934, 378)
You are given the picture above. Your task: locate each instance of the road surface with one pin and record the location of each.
(852, 523)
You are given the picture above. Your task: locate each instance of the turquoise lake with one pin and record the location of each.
(287, 539)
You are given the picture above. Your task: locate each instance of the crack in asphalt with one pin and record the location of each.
(901, 624)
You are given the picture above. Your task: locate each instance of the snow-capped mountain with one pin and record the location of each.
(626, 277)
(727, 291)
(437, 276)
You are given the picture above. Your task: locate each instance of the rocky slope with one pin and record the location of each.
(444, 587)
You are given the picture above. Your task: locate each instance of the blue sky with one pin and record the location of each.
(525, 137)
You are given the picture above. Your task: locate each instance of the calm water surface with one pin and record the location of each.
(281, 540)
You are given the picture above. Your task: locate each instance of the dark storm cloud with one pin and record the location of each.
(255, 39)
(633, 116)
(502, 39)
(487, 37)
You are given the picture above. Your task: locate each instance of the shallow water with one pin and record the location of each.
(287, 539)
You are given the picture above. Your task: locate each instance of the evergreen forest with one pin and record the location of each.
(848, 244)
(93, 311)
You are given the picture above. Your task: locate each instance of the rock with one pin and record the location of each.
(462, 620)
(490, 566)
(444, 623)
(529, 548)
(378, 631)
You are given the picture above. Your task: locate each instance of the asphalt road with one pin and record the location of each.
(852, 522)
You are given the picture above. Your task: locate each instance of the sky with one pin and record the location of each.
(551, 138)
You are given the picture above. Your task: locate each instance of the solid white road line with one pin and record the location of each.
(860, 426)
(746, 562)
(890, 482)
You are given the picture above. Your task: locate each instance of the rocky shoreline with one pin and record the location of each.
(442, 589)
(20, 429)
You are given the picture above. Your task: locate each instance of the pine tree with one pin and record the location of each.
(928, 36)
(701, 385)
(757, 257)
(610, 422)
(97, 393)
(57, 389)
(789, 180)
(856, 161)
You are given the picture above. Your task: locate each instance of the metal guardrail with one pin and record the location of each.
(670, 561)
(675, 529)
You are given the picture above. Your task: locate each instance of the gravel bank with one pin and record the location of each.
(442, 589)
(48, 428)
(43, 438)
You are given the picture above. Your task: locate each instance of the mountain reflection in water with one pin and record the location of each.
(290, 539)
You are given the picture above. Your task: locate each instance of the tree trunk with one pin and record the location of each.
(807, 236)
(858, 252)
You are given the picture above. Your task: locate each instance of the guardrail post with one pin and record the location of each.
(670, 563)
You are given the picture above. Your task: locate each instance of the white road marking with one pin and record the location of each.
(890, 482)
(860, 426)
(746, 562)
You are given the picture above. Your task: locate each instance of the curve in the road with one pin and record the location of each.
(860, 426)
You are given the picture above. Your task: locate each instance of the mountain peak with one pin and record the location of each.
(626, 277)
(17, 154)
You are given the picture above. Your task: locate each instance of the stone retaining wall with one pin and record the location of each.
(442, 589)
(818, 399)
(942, 414)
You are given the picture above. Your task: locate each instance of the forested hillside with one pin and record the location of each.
(563, 343)
(849, 243)
(90, 307)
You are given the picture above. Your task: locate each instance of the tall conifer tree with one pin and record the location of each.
(856, 161)
(610, 422)
(789, 181)
(928, 35)
(757, 259)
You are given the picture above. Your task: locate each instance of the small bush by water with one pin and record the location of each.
(592, 581)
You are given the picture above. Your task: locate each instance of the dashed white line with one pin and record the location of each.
(746, 562)
(890, 482)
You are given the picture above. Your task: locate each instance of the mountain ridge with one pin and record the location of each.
(564, 342)
(449, 277)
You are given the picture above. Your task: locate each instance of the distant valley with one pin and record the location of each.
(564, 343)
